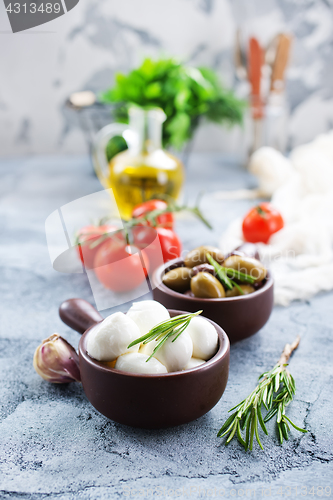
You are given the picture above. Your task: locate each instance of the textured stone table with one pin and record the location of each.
(53, 444)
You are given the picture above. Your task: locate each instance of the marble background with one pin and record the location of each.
(84, 48)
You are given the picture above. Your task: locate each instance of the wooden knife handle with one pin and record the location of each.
(255, 61)
(79, 314)
(281, 61)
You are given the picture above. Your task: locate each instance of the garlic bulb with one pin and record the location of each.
(56, 361)
(175, 355)
(147, 314)
(110, 338)
(135, 362)
(204, 338)
(271, 168)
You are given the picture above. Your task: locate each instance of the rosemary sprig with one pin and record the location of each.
(168, 328)
(274, 392)
(226, 273)
(220, 272)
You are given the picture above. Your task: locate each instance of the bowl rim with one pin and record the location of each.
(158, 283)
(223, 349)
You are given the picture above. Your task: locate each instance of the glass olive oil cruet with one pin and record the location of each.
(145, 170)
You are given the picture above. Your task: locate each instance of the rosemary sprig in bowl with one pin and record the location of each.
(172, 327)
(274, 392)
(226, 273)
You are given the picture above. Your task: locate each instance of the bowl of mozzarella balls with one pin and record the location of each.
(152, 367)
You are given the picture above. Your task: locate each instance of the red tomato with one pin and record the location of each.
(86, 237)
(170, 243)
(119, 267)
(160, 244)
(261, 222)
(163, 220)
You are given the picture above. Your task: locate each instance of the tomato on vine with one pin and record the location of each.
(120, 267)
(87, 242)
(149, 208)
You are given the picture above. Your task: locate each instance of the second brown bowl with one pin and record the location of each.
(240, 316)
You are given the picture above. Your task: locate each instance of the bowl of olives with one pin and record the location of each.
(235, 290)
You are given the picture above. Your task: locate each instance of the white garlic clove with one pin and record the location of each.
(204, 338)
(175, 355)
(147, 314)
(110, 338)
(136, 362)
(193, 363)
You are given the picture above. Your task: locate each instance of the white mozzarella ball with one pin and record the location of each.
(175, 355)
(148, 348)
(110, 338)
(147, 314)
(194, 362)
(136, 362)
(204, 337)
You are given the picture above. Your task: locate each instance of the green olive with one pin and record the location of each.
(247, 265)
(206, 286)
(234, 292)
(198, 256)
(178, 279)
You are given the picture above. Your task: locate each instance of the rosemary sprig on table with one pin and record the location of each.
(275, 391)
(168, 328)
(225, 273)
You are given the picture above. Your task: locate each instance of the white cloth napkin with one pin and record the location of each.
(300, 255)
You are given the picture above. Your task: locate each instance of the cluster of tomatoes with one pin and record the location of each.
(122, 261)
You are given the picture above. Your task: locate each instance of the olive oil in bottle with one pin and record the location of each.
(145, 170)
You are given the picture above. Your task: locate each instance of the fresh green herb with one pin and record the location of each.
(225, 273)
(236, 285)
(168, 328)
(233, 273)
(185, 94)
(274, 392)
(220, 272)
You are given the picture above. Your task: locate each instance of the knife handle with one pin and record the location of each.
(79, 314)
(255, 62)
(280, 63)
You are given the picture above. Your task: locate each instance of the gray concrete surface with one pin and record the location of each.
(53, 444)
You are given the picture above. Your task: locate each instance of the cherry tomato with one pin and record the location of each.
(86, 237)
(170, 243)
(163, 220)
(119, 267)
(160, 244)
(261, 222)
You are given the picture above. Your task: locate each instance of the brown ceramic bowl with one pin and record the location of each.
(240, 316)
(147, 401)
